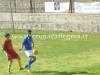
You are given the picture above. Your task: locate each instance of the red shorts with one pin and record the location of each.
(12, 55)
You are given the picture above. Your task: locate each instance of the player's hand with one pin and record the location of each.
(20, 49)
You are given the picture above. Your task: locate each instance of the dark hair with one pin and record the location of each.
(29, 31)
(7, 34)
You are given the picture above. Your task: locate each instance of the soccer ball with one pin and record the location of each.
(35, 51)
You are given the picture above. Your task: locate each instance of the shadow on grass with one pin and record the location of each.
(62, 73)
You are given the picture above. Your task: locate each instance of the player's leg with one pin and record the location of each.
(28, 66)
(34, 56)
(33, 59)
(19, 63)
(29, 63)
(30, 56)
(9, 66)
(10, 63)
(16, 56)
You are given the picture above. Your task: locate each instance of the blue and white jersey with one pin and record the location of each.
(27, 42)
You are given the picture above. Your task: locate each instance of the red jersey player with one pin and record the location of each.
(9, 51)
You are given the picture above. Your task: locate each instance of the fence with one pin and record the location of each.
(32, 6)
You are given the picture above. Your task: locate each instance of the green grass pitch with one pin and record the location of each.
(77, 56)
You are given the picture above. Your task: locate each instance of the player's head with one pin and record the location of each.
(7, 35)
(29, 32)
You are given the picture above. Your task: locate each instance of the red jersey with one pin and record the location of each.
(8, 48)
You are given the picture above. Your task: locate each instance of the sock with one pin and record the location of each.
(9, 66)
(32, 61)
(29, 64)
(19, 63)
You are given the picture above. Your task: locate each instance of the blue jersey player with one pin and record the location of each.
(27, 45)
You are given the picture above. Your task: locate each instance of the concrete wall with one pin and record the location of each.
(23, 6)
(52, 21)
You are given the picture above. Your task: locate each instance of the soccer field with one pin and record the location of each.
(60, 53)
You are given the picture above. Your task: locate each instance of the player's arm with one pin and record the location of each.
(33, 43)
(4, 47)
(22, 45)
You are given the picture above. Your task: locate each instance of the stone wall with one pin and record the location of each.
(52, 21)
